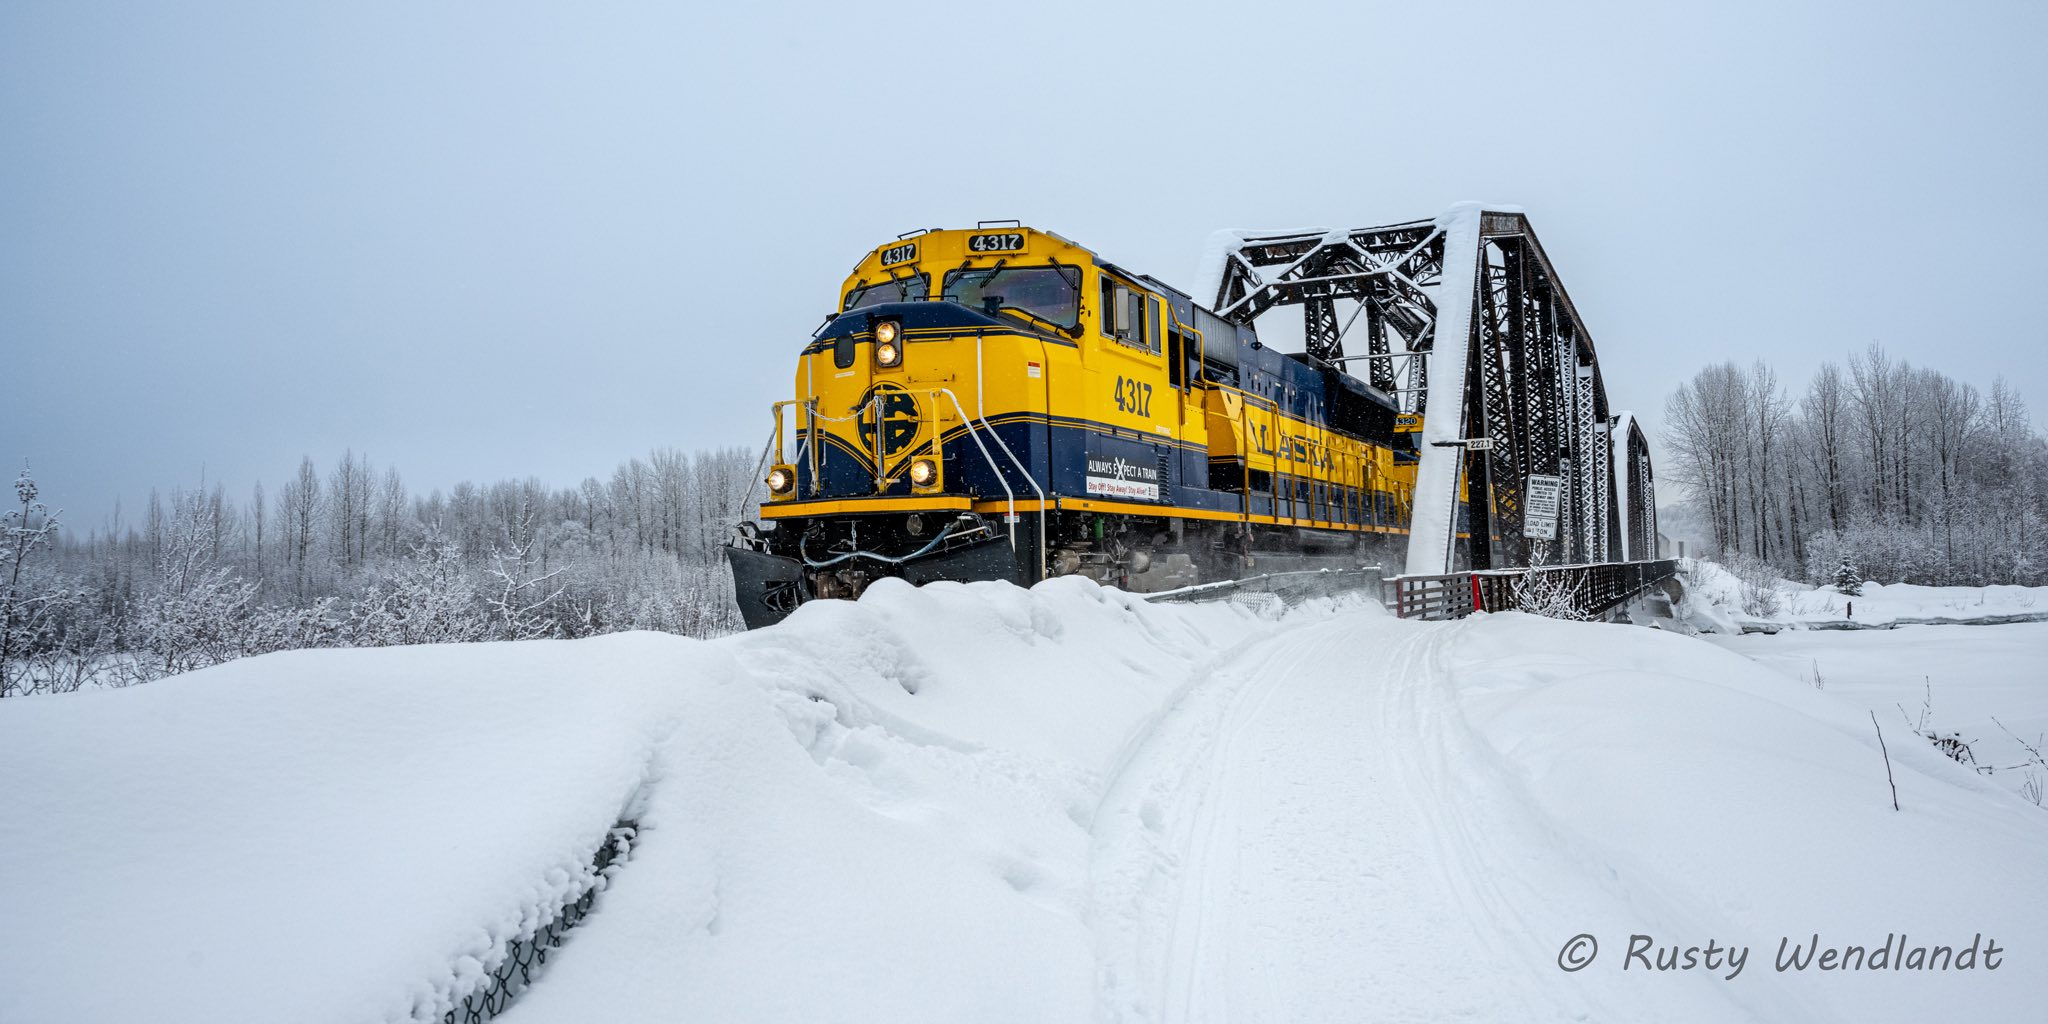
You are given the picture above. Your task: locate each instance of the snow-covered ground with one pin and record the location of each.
(983, 803)
(1987, 686)
(316, 835)
(1722, 602)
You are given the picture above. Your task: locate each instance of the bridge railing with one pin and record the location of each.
(1582, 591)
(1449, 596)
(1289, 586)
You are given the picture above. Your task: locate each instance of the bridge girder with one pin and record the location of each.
(1523, 373)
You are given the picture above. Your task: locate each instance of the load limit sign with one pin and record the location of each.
(1539, 506)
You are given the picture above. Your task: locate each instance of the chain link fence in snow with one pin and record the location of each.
(525, 957)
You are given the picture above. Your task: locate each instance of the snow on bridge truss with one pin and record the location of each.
(1523, 374)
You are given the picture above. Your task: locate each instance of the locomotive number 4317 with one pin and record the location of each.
(1133, 396)
(1002, 241)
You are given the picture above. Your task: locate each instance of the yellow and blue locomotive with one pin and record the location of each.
(1001, 403)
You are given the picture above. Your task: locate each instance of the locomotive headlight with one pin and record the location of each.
(924, 473)
(888, 349)
(781, 480)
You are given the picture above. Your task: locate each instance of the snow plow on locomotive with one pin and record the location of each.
(1001, 403)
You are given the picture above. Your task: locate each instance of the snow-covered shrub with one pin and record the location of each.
(2034, 783)
(1952, 745)
(62, 643)
(352, 559)
(651, 590)
(1759, 585)
(1550, 594)
(522, 603)
(295, 628)
(195, 622)
(427, 600)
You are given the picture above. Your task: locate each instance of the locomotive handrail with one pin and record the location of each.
(1320, 485)
(813, 451)
(774, 445)
(981, 413)
(1008, 495)
(774, 448)
(881, 456)
(1253, 395)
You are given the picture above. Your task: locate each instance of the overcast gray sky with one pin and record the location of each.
(488, 240)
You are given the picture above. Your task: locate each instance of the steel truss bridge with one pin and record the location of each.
(1463, 319)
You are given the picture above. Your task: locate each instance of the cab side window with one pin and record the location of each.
(1117, 321)
(1129, 317)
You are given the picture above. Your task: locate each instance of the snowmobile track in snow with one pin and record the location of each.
(1250, 865)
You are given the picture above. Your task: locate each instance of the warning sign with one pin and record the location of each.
(1113, 476)
(1539, 506)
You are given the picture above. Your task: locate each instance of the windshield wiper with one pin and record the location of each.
(902, 283)
(985, 276)
(1071, 332)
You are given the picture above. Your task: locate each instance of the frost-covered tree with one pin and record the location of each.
(1848, 580)
(1904, 471)
(352, 558)
(29, 603)
(194, 611)
(425, 600)
(523, 590)
(1705, 423)
(1823, 440)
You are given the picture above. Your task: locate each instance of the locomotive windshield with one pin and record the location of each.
(1052, 294)
(912, 288)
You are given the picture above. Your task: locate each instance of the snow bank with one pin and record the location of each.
(1715, 798)
(317, 835)
(1983, 686)
(880, 792)
(975, 802)
(1718, 602)
(922, 850)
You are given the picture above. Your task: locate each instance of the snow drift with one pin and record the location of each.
(984, 803)
(1721, 601)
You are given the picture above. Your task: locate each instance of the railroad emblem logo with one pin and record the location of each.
(896, 410)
